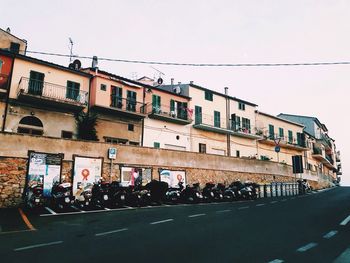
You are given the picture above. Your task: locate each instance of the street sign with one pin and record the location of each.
(112, 153)
(277, 149)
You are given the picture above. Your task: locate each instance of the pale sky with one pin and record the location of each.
(259, 31)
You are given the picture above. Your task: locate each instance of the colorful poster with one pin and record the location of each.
(45, 169)
(86, 172)
(134, 176)
(173, 178)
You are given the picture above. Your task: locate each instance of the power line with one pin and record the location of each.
(199, 64)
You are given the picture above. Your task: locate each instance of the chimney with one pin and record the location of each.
(191, 82)
(172, 81)
(94, 62)
(8, 30)
(226, 90)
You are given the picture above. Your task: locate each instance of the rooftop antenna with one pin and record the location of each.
(159, 80)
(71, 50)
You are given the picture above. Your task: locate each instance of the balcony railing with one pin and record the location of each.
(127, 105)
(170, 113)
(3, 81)
(292, 141)
(317, 150)
(51, 91)
(330, 159)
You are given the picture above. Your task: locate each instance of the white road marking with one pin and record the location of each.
(196, 215)
(224, 211)
(161, 221)
(344, 257)
(106, 208)
(277, 261)
(111, 232)
(38, 245)
(273, 202)
(16, 231)
(243, 207)
(260, 205)
(87, 212)
(307, 247)
(345, 221)
(77, 209)
(330, 234)
(50, 210)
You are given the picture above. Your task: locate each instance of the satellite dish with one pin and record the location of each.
(177, 89)
(71, 65)
(160, 81)
(76, 64)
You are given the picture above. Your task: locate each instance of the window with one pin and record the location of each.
(36, 83)
(115, 140)
(103, 87)
(217, 119)
(156, 108)
(134, 143)
(208, 95)
(73, 89)
(116, 97)
(290, 136)
(235, 122)
(198, 114)
(131, 101)
(130, 127)
(301, 139)
(241, 106)
(246, 125)
(14, 47)
(271, 132)
(30, 125)
(281, 132)
(66, 135)
(156, 145)
(238, 154)
(202, 148)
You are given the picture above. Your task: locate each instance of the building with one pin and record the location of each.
(285, 135)
(43, 97)
(223, 125)
(12, 43)
(323, 154)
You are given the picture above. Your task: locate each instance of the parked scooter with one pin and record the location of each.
(83, 196)
(208, 192)
(192, 194)
(245, 191)
(304, 186)
(158, 190)
(117, 194)
(62, 195)
(100, 194)
(35, 195)
(173, 194)
(138, 196)
(219, 190)
(254, 187)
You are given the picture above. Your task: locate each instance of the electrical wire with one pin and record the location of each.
(197, 64)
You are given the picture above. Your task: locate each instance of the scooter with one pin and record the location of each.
(83, 196)
(158, 190)
(100, 194)
(173, 194)
(192, 194)
(208, 192)
(254, 188)
(62, 195)
(35, 196)
(117, 194)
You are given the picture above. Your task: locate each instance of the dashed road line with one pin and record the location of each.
(259, 204)
(344, 257)
(276, 261)
(292, 198)
(15, 231)
(38, 245)
(111, 232)
(196, 215)
(25, 219)
(161, 221)
(243, 207)
(307, 247)
(50, 210)
(273, 202)
(345, 221)
(224, 211)
(330, 234)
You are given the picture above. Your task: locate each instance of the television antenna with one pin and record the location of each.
(160, 74)
(70, 50)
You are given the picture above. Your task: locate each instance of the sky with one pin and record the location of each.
(220, 31)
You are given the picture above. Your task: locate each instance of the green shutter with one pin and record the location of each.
(217, 119)
(271, 131)
(156, 145)
(281, 132)
(290, 136)
(198, 114)
(172, 105)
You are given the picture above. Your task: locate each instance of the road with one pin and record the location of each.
(310, 228)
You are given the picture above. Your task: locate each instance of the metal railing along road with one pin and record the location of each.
(278, 189)
(52, 91)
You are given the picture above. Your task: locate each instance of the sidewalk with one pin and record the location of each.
(12, 220)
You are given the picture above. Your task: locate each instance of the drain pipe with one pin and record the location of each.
(228, 122)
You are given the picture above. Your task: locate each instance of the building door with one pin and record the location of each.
(36, 83)
(116, 97)
(131, 101)
(156, 108)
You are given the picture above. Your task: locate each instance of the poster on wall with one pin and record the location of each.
(86, 171)
(45, 169)
(135, 176)
(173, 178)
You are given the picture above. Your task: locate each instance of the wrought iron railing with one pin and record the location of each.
(128, 104)
(177, 112)
(330, 159)
(52, 91)
(317, 150)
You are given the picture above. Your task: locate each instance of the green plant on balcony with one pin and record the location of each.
(86, 126)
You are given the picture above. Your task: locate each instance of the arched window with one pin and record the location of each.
(30, 125)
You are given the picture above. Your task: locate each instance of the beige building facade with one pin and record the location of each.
(12, 43)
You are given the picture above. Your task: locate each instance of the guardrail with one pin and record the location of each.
(279, 189)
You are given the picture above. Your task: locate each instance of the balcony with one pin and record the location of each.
(3, 85)
(285, 142)
(244, 130)
(337, 157)
(320, 155)
(128, 108)
(325, 141)
(178, 115)
(207, 123)
(51, 95)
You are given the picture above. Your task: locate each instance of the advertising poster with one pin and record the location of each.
(45, 169)
(135, 176)
(173, 178)
(86, 172)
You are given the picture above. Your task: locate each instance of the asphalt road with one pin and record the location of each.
(310, 228)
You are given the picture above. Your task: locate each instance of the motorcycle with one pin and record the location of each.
(117, 194)
(219, 190)
(232, 192)
(62, 195)
(83, 196)
(35, 196)
(138, 196)
(192, 194)
(157, 190)
(245, 191)
(304, 186)
(100, 194)
(208, 192)
(173, 194)
(254, 188)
